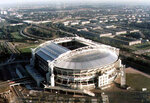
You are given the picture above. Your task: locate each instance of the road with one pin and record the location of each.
(24, 35)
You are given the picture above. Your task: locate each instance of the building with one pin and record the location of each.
(134, 31)
(85, 22)
(106, 35)
(66, 23)
(4, 12)
(121, 32)
(83, 29)
(75, 62)
(75, 22)
(110, 26)
(135, 42)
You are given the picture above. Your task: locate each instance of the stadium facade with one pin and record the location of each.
(75, 62)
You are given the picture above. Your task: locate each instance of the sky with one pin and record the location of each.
(74, 1)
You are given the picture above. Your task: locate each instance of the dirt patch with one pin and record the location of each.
(134, 71)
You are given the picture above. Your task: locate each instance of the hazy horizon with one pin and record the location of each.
(74, 1)
(54, 3)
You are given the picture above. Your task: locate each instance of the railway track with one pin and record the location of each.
(21, 79)
(11, 47)
(18, 93)
(4, 83)
(10, 82)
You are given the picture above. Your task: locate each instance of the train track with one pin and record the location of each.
(18, 93)
(21, 79)
(10, 82)
(4, 83)
(17, 89)
(11, 47)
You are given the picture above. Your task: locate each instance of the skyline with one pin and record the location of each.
(74, 1)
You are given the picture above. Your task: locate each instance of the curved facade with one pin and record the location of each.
(76, 62)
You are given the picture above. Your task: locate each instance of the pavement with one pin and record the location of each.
(135, 71)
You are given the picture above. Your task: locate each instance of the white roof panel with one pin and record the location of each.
(51, 51)
(91, 59)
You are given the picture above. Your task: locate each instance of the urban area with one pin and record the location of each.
(65, 53)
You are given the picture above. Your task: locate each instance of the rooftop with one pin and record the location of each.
(90, 59)
(77, 54)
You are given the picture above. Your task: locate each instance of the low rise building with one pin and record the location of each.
(121, 32)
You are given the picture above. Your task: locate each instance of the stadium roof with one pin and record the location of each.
(89, 60)
(51, 51)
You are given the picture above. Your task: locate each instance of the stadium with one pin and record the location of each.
(74, 62)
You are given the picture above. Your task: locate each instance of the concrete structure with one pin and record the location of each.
(4, 12)
(121, 32)
(123, 77)
(84, 29)
(126, 41)
(66, 23)
(76, 22)
(135, 42)
(106, 35)
(111, 26)
(85, 22)
(75, 62)
(134, 31)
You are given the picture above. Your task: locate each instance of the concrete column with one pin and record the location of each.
(33, 57)
(51, 73)
(52, 80)
(120, 63)
(67, 81)
(81, 86)
(123, 76)
(52, 76)
(47, 77)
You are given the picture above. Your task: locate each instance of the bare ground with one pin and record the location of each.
(134, 71)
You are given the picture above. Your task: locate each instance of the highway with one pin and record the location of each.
(24, 35)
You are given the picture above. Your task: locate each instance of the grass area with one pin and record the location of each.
(16, 36)
(142, 46)
(27, 49)
(41, 32)
(138, 81)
